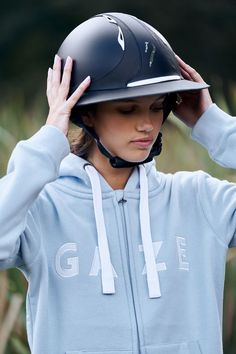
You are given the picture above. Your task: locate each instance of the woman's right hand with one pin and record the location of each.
(57, 91)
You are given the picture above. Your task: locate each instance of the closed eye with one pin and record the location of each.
(157, 109)
(134, 108)
(127, 110)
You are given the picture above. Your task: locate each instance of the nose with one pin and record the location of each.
(144, 123)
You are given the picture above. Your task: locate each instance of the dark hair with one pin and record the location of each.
(80, 141)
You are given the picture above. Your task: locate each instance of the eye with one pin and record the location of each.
(126, 110)
(157, 108)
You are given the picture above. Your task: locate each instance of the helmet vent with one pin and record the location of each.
(121, 39)
(111, 20)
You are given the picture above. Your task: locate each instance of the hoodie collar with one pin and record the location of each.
(73, 166)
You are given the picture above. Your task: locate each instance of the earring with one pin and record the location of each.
(178, 99)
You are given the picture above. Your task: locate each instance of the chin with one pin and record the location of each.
(137, 158)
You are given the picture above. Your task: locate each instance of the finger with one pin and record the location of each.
(78, 92)
(65, 82)
(184, 68)
(182, 63)
(185, 74)
(193, 74)
(49, 82)
(56, 77)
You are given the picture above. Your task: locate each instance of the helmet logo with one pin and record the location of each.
(146, 47)
(152, 55)
(120, 37)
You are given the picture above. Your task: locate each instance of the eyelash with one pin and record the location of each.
(131, 110)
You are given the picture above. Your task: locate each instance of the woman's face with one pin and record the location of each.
(129, 128)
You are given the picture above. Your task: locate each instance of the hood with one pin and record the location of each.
(77, 172)
(72, 171)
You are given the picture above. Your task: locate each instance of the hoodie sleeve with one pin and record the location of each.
(218, 202)
(33, 163)
(216, 131)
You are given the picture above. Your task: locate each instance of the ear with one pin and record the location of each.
(88, 118)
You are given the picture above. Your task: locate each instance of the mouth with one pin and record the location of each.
(143, 142)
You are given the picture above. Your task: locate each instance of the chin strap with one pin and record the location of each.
(118, 162)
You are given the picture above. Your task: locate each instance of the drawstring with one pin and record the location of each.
(152, 274)
(108, 285)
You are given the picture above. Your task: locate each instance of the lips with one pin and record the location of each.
(143, 142)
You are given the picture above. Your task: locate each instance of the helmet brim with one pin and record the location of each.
(91, 97)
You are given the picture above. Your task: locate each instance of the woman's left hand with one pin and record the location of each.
(192, 103)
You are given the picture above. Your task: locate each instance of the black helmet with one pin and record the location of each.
(125, 58)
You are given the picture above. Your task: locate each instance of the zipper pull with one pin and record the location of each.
(122, 201)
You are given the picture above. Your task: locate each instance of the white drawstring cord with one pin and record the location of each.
(108, 285)
(152, 273)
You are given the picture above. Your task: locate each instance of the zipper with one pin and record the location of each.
(121, 202)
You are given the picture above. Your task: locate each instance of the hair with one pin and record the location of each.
(80, 141)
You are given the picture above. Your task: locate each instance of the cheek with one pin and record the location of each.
(113, 129)
(109, 133)
(157, 124)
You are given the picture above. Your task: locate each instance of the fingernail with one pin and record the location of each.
(88, 78)
(68, 62)
(56, 58)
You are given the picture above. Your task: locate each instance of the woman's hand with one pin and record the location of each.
(192, 103)
(57, 91)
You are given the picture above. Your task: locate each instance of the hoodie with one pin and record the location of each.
(133, 271)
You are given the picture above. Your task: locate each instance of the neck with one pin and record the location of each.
(115, 177)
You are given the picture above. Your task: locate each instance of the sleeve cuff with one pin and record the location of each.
(51, 140)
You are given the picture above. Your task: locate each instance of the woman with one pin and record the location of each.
(120, 257)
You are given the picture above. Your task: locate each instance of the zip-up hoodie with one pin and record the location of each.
(133, 271)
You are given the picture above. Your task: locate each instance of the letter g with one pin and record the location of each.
(72, 263)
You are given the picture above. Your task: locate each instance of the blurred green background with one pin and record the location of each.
(202, 32)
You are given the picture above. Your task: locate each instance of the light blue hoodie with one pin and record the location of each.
(96, 284)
